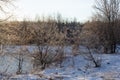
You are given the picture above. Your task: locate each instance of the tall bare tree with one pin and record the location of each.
(108, 11)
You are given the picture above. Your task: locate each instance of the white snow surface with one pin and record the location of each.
(76, 68)
(82, 69)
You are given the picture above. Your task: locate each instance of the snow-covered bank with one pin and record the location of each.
(75, 67)
(80, 70)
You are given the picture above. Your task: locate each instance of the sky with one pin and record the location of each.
(79, 9)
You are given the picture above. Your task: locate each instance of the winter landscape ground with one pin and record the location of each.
(76, 67)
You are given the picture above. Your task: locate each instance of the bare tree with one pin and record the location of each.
(20, 62)
(108, 10)
(4, 8)
(20, 56)
(46, 35)
(90, 40)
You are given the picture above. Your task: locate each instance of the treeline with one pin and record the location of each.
(40, 32)
(58, 32)
(94, 34)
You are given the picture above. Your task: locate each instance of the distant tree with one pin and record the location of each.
(24, 32)
(60, 22)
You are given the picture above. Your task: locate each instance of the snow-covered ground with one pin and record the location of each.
(81, 69)
(76, 68)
